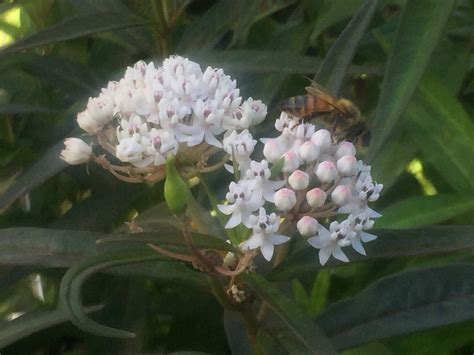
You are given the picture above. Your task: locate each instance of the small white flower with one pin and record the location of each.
(285, 199)
(241, 204)
(264, 234)
(316, 197)
(87, 123)
(298, 180)
(129, 150)
(307, 226)
(101, 108)
(330, 243)
(239, 146)
(76, 151)
(258, 176)
(326, 171)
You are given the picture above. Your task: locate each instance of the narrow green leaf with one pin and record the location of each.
(297, 321)
(434, 240)
(49, 165)
(400, 304)
(267, 61)
(236, 333)
(420, 27)
(74, 27)
(31, 323)
(423, 210)
(336, 64)
(20, 108)
(332, 12)
(320, 291)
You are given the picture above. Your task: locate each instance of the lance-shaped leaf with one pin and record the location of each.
(402, 303)
(71, 284)
(418, 32)
(434, 240)
(308, 333)
(75, 27)
(26, 325)
(336, 64)
(423, 210)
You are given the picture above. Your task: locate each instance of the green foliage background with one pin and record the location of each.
(407, 64)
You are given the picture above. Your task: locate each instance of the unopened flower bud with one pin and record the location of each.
(299, 180)
(345, 148)
(340, 194)
(347, 165)
(175, 189)
(87, 123)
(326, 171)
(316, 197)
(307, 226)
(322, 139)
(76, 151)
(309, 152)
(292, 161)
(272, 150)
(230, 260)
(285, 199)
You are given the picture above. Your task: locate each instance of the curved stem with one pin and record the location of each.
(171, 254)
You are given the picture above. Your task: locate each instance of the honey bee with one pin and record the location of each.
(339, 115)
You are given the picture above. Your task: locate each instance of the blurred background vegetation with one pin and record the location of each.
(410, 72)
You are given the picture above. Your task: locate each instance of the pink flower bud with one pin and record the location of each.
(76, 151)
(347, 165)
(299, 180)
(326, 171)
(292, 161)
(316, 197)
(309, 152)
(307, 226)
(340, 194)
(322, 139)
(285, 199)
(272, 150)
(345, 148)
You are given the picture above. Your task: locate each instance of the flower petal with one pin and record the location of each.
(339, 254)
(267, 249)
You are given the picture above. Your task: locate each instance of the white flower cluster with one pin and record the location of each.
(152, 113)
(321, 180)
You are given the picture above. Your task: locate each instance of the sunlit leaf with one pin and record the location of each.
(74, 27)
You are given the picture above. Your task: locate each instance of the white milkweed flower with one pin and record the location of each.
(258, 178)
(264, 233)
(315, 166)
(241, 204)
(76, 151)
(240, 146)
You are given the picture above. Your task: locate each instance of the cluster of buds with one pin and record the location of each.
(322, 190)
(154, 113)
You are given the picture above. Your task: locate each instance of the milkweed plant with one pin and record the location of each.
(177, 122)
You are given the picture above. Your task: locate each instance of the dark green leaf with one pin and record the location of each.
(336, 64)
(49, 165)
(235, 330)
(420, 27)
(71, 284)
(74, 28)
(401, 304)
(423, 210)
(20, 108)
(433, 240)
(31, 323)
(297, 321)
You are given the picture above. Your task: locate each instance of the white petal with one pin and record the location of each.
(234, 221)
(315, 242)
(267, 249)
(226, 209)
(278, 238)
(339, 254)
(212, 140)
(373, 214)
(367, 237)
(358, 247)
(253, 242)
(324, 255)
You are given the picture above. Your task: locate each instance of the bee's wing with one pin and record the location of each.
(321, 93)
